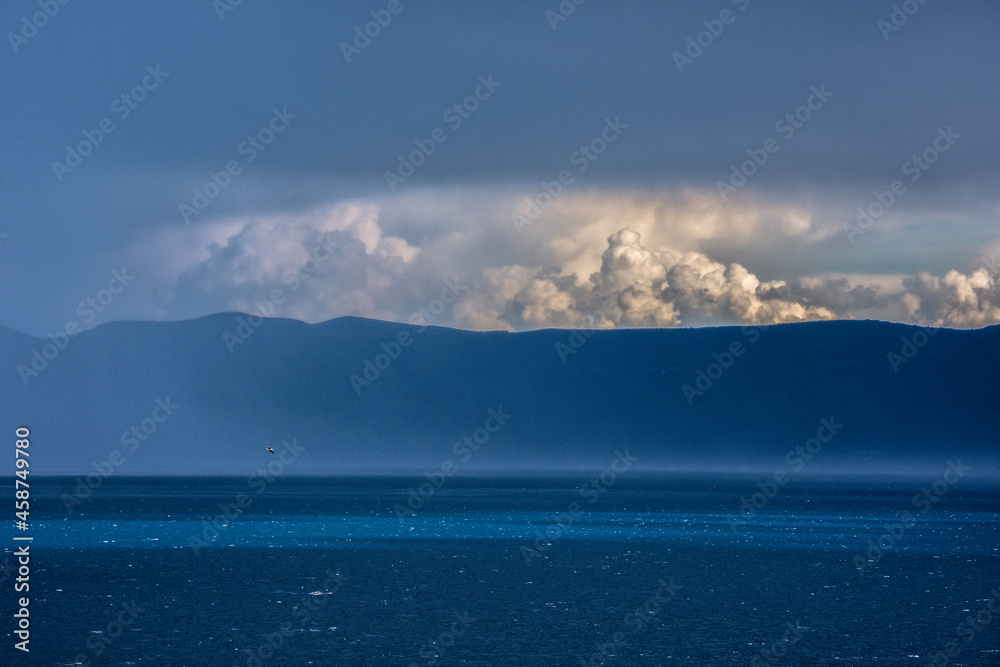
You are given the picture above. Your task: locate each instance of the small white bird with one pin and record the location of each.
(269, 449)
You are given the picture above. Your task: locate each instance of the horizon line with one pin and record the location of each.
(509, 331)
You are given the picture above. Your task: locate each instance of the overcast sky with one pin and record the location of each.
(626, 164)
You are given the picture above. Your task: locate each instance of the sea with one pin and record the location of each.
(543, 570)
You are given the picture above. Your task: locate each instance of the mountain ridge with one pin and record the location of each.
(357, 397)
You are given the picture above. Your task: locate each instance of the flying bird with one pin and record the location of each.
(269, 449)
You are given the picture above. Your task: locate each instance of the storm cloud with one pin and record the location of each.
(810, 112)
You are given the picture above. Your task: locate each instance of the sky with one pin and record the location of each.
(543, 164)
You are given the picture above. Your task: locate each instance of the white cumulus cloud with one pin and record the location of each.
(592, 259)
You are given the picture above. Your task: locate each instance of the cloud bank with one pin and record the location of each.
(595, 260)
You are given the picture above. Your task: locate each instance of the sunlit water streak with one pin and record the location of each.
(968, 532)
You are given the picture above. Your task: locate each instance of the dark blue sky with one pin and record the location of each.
(644, 224)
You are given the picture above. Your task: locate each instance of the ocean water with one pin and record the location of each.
(505, 572)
